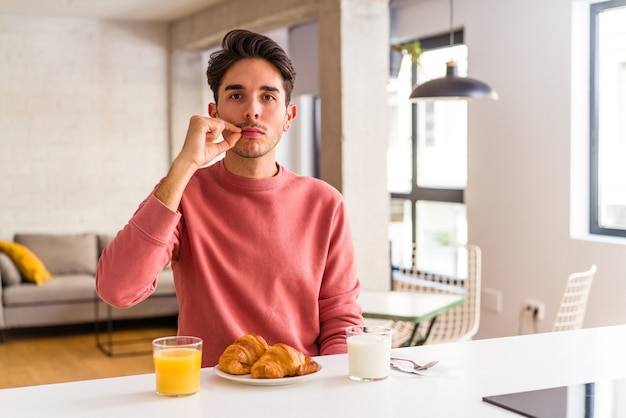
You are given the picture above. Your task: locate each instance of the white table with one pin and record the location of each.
(454, 388)
(414, 307)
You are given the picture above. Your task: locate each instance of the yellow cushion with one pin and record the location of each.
(27, 263)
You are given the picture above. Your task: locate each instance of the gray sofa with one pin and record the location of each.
(69, 296)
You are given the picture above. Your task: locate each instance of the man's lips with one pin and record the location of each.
(251, 132)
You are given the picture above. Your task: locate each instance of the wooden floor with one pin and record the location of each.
(63, 354)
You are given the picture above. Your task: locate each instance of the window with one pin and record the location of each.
(608, 124)
(427, 164)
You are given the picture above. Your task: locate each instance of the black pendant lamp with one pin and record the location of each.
(453, 87)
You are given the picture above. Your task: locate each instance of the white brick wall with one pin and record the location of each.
(83, 122)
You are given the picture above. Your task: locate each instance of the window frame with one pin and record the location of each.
(594, 120)
(417, 193)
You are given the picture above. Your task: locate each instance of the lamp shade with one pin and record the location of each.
(453, 87)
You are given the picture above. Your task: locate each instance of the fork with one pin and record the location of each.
(417, 366)
(394, 366)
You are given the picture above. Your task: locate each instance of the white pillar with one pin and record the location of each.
(354, 51)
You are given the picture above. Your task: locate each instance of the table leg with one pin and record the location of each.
(420, 340)
(108, 346)
(430, 328)
(409, 340)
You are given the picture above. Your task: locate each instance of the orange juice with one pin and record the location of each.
(177, 371)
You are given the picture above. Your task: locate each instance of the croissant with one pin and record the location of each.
(239, 357)
(282, 360)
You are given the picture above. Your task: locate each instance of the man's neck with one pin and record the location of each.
(255, 168)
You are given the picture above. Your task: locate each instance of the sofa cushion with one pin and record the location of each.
(64, 254)
(26, 261)
(60, 290)
(9, 272)
(103, 241)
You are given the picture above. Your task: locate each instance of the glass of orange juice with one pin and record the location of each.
(177, 363)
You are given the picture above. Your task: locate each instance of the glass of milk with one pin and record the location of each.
(369, 352)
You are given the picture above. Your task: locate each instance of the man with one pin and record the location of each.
(254, 248)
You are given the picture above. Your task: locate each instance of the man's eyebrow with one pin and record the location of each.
(233, 87)
(240, 87)
(270, 88)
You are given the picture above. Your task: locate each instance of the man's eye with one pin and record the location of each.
(236, 96)
(269, 97)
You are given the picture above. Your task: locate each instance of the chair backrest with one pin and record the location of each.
(462, 322)
(571, 312)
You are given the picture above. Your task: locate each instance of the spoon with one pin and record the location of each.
(417, 366)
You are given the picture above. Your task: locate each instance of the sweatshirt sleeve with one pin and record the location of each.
(128, 268)
(340, 289)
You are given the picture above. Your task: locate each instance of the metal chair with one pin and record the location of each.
(458, 324)
(571, 312)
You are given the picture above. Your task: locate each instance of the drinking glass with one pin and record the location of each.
(369, 352)
(177, 362)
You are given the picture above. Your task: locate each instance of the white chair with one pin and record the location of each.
(458, 324)
(571, 312)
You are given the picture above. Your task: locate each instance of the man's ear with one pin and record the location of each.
(290, 115)
(213, 110)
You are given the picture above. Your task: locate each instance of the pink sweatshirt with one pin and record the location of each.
(273, 257)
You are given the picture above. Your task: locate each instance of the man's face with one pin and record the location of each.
(252, 97)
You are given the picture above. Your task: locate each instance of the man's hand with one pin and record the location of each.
(200, 145)
(199, 149)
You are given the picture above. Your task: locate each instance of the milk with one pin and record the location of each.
(368, 356)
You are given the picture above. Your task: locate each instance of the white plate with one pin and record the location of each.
(246, 379)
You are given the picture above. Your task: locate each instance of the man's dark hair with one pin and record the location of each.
(241, 44)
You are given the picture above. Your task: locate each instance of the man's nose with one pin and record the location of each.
(253, 111)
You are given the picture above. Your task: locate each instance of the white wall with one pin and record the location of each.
(83, 122)
(520, 157)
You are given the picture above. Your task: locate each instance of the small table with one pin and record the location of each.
(414, 307)
(164, 290)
